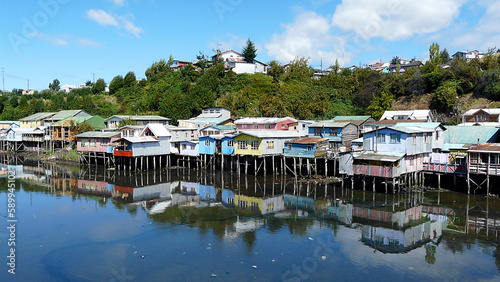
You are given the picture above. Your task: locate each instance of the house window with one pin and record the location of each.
(84, 142)
(395, 138)
(289, 146)
(230, 201)
(207, 142)
(412, 160)
(255, 126)
(193, 147)
(267, 126)
(104, 142)
(243, 145)
(309, 148)
(426, 138)
(242, 204)
(93, 143)
(437, 135)
(244, 126)
(333, 132)
(270, 144)
(254, 206)
(184, 147)
(254, 145)
(317, 131)
(414, 139)
(230, 143)
(283, 126)
(381, 138)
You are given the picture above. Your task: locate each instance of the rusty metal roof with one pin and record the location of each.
(307, 140)
(488, 147)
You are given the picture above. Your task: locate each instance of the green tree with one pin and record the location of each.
(129, 80)
(380, 104)
(249, 52)
(434, 58)
(159, 68)
(116, 84)
(446, 96)
(55, 85)
(276, 70)
(299, 70)
(99, 86)
(202, 62)
(445, 56)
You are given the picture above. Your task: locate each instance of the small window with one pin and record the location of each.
(317, 131)
(184, 147)
(289, 146)
(207, 142)
(270, 144)
(395, 138)
(84, 142)
(283, 126)
(309, 148)
(93, 143)
(243, 145)
(381, 138)
(333, 132)
(267, 126)
(193, 147)
(244, 126)
(254, 145)
(255, 126)
(230, 143)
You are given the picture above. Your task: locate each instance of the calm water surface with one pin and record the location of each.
(86, 225)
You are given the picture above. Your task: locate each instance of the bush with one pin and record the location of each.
(489, 85)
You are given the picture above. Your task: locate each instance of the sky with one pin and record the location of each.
(76, 41)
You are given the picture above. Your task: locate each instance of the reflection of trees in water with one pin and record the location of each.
(249, 238)
(430, 253)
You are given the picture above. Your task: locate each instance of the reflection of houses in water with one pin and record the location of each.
(241, 227)
(160, 191)
(95, 187)
(228, 197)
(262, 205)
(395, 241)
(304, 204)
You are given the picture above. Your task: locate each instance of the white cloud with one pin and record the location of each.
(310, 36)
(119, 3)
(102, 18)
(485, 34)
(395, 19)
(50, 39)
(88, 43)
(130, 27)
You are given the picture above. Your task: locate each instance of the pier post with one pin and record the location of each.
(255, 165)
(326, 167)
(308, 168)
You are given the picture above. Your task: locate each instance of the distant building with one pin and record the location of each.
(468, 55)
(234, 61)
(28, 92)
(67, 88)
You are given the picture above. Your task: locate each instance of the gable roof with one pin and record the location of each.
(405, 129)
(157, 129)
(262, 120)
(271, 133)
(67, 113)
(307, 140)
(37, 116)
(330, 124)
(98, 134)
(471, 112)
(415, 114)
(136, 117)
(350, 118)
(470, 134)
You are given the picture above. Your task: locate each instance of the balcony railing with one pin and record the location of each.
(445, 168)
(484, 168)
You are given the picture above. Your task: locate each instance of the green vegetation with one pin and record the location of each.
(290, 91)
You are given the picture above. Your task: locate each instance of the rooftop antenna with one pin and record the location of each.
(3, 79)
(28, 85)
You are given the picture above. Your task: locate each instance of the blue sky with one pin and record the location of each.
(72, 40)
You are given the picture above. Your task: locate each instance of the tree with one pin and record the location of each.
(116, 84)
(276, 70)
(249, 52)
(160, 67)
(99, 86)
(129, 79)
(202, 62)
(55, 85)
(434, 58)
(445, 56)
(380, 104)
(88, 83)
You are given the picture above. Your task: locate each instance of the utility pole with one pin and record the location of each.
(93, 77)
(28, 85)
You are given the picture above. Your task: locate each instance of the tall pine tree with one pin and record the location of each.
(249, 52)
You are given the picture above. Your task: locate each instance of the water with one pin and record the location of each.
(86, 225)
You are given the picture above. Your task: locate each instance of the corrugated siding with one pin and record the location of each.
(349, 133)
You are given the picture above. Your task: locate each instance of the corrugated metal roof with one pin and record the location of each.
(262, 120)
(271, 134)
(470, 134)
(143, 139)
(350, 118)
(158, 129)
(380, 156)
(37, 116)
(65, 114)
(495, 111)
(394, 122)
(488, 147)
(95, 121)
(220, 127)
(98, 134)
(405, 129)
(138, 117)
(420, 124)
(329, 124)
(307, 140)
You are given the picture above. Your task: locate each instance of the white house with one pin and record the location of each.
(234, 60)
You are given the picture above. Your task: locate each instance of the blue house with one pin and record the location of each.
(308, 147)
(338, 132)
(216, 144)
(207, 192)
(228, 145)
(228, 197)
(188, 148)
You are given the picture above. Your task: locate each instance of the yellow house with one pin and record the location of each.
(35, 120)
(248, 203)
(261, 143)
